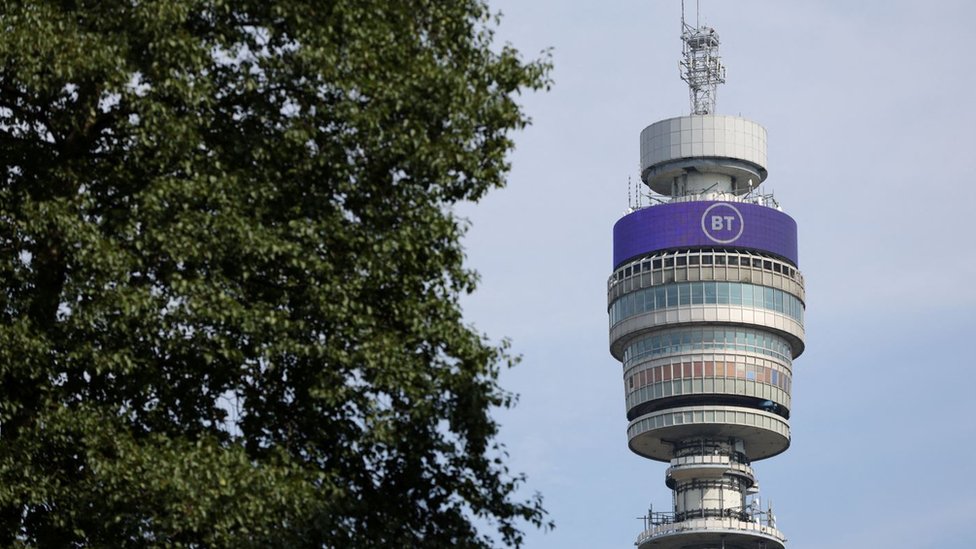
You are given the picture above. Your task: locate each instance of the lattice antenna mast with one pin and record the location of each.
(701, 66)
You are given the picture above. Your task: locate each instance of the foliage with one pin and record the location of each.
(231, 273)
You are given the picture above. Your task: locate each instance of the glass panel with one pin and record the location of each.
(684, 294)
(710, 291)
(747, 297)
(672, 291)
(696, 293)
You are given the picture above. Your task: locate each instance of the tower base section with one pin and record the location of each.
(711, 533)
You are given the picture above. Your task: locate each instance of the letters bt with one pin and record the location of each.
(723, 222)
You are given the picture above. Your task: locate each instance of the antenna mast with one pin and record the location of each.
(701, 66)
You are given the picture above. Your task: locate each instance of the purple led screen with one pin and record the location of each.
(704, 225)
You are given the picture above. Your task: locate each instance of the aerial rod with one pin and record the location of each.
(697, 14)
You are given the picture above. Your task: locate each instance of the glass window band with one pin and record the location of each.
(696, 340)
(706, 293)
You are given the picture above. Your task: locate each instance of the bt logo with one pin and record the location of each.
(722, 223)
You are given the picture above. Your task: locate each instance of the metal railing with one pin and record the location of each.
(725, 523)
(760, 199)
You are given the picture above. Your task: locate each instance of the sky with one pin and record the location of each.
(870, 116)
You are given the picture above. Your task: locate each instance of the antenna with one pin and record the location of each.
(637, 195)
(630, 202)
(701, 66)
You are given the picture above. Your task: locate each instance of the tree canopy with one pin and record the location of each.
(230, 274)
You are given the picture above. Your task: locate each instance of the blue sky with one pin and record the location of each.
(870, 116)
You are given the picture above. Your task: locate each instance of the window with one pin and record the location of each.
(723, 293)
(672, 291)
(694, 259)
(747, 295)
(702, 293)
(690, 340)
(681, 261)
(710, 297)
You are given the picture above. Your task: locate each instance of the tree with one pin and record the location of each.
(230, 273)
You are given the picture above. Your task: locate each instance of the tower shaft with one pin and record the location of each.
(706, 306)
